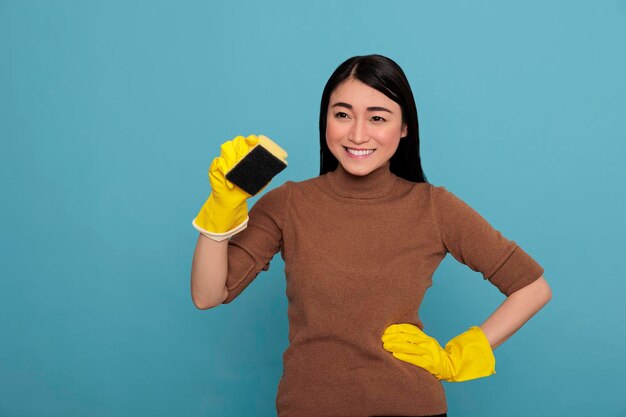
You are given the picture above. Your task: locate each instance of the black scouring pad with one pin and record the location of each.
(258, 167)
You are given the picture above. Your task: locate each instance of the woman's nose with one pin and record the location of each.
(358, 133)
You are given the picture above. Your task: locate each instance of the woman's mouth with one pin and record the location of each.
(358, 153)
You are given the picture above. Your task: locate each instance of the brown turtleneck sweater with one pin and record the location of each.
(360, 253)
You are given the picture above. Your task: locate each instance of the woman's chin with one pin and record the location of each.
(357, 170)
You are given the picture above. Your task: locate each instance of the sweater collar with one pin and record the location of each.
(376, 184)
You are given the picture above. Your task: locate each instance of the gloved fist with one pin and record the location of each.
(225, 212)
(232, 152)
(467, 356)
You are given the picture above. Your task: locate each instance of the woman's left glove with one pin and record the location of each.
(467, 356)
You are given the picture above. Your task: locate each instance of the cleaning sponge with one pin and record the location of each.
(255, 170)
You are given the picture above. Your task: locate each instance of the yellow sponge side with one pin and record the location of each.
(273, 148)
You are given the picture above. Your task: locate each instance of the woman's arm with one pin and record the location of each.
(516, 310)
(209, 271)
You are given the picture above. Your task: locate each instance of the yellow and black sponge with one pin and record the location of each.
(262, 163)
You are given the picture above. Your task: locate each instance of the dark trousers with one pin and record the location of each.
(438, 415)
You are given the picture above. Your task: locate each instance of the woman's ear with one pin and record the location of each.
(405, 131)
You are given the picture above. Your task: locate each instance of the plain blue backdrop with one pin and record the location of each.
(111, 112)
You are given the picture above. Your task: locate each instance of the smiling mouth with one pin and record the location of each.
(359, 152)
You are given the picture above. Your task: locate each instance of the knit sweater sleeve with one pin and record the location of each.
(474, 242)
(250, 251)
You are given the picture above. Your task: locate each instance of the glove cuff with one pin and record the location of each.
(218, 237)
(471, 355)
(489, 356)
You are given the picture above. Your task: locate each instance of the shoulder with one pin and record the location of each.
(309, 182)
(281, 193)
(441, 195)
(443, 201)
(273, 198)
(307, 186)
(455, 212)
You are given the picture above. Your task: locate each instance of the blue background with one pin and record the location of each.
(111, 112)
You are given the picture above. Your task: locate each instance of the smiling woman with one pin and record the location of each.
(360, 263)
(388, 83)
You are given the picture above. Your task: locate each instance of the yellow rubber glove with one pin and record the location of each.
(467, 356)
(225, 212)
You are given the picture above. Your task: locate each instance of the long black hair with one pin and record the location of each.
(384, 75)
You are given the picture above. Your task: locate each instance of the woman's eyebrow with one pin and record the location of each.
(374, 108)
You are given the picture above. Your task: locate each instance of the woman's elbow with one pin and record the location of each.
(538, 290)
(542, 289)
(548, 290)
(205, 304)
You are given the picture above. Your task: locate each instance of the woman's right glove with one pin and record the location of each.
(225, 212)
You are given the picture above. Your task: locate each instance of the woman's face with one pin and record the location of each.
(363, 127)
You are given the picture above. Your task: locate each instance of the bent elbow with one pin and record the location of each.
(210, 303)
(548, 294)
(202, 306)
(538, 290)
(547, 289)
(545, 292)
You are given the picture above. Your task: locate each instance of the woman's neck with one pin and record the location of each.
(375, 184)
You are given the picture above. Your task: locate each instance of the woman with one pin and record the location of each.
(360, 244)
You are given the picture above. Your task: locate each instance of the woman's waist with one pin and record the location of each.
(344, 358)
(348, 377)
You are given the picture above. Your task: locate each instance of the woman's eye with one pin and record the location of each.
(378, 119)
(341, 115)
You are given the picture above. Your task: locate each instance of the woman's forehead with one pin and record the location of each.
(358, 94)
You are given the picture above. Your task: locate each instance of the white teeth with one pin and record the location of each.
(360, 153)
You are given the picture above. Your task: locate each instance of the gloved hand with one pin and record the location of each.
(225, 212)
(467, 356)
